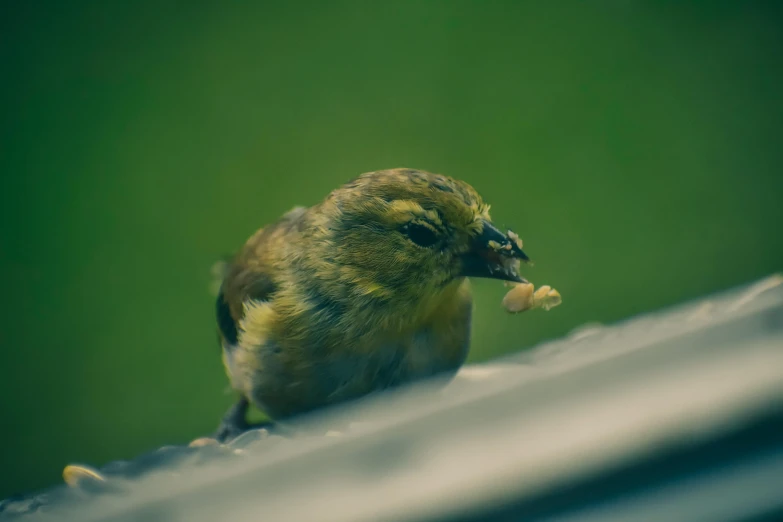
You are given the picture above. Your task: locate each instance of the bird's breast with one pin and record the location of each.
(388, 363)
(298, 373)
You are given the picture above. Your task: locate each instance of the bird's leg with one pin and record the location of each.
(234, 422)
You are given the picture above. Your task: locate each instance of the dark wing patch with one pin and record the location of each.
(238, 287)
(247, 278)
(226, 323)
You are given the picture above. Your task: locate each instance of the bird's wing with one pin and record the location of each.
(247, 281)
(241, 286)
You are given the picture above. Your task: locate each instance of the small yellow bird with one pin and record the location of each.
(362, 292)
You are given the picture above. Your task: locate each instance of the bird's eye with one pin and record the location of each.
(422, 235)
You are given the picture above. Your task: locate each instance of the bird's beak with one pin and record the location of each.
(495, 255)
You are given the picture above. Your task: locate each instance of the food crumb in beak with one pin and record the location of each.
(519, 298)
(497, 247)
(522, 297)
(511, 265)
(515, 238)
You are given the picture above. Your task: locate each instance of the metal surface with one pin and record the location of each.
(676, 415)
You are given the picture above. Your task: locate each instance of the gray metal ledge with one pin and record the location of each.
(676, 415)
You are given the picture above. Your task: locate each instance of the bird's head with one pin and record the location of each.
(406, 232)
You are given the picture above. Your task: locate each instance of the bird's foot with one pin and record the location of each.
(234, 422)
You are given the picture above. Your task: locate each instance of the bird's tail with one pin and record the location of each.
(218, 272)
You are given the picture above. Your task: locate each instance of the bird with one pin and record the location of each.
(367, 290)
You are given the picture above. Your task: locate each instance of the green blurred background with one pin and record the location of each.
(635, 146)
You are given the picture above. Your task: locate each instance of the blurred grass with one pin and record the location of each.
(634, 146)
